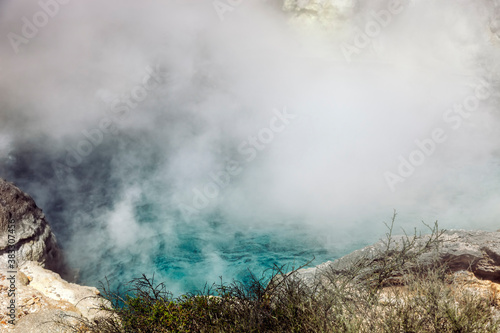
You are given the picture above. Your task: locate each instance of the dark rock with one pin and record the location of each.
(24, 229)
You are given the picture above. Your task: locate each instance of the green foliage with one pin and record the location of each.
(389, 292)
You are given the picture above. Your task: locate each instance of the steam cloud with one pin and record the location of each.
(140, 124)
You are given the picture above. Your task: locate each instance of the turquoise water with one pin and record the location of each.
(185, 254)
(189, 258)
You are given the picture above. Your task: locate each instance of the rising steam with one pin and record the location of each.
(140, 124)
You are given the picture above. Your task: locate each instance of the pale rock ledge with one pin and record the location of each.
(43, 299)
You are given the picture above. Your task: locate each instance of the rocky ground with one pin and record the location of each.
(471, 258)
(42, 298)
(475, 251)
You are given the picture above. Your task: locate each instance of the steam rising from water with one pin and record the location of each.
(190, 176)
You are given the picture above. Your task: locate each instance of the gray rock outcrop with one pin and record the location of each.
(460, 250)
(24, 229)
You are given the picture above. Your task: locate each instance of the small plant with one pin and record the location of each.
(397, 256)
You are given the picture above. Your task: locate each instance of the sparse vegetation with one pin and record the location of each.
(388, 292)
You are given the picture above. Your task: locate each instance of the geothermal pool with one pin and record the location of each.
(193, 141)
